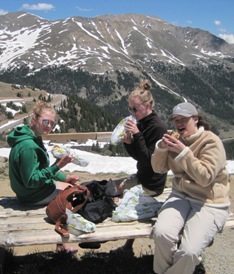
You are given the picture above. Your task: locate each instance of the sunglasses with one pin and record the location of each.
(134, 109)
(46, 122)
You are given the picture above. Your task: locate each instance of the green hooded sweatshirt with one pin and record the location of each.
(31, 176)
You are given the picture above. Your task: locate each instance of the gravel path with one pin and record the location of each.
(219, 258)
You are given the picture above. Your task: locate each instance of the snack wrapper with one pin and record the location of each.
(78, 225)
(60, 151)
(119, 130)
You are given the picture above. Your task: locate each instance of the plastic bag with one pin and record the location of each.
(60, 151)
(119, 130)
(136, 205)
(78, 225)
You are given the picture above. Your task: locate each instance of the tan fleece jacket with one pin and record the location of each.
(200, 169)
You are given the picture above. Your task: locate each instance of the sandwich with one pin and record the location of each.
(60, 151)
(174, 133)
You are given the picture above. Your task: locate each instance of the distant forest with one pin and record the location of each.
(79, 115)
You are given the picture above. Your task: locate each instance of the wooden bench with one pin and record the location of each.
(21, 225)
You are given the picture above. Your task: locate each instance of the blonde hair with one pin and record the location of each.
(41, 107)
(143, 92)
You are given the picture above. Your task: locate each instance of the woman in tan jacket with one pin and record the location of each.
(199, 203)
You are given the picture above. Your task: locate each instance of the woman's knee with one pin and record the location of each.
(191, 251)
(163, 233)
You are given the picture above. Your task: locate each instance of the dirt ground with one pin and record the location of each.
(218, 259)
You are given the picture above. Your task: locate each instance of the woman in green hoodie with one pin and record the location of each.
(32, 178)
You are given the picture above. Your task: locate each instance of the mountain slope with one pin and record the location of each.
(103, 58)
(103, 43)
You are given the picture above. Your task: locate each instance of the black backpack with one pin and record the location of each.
(100, 202)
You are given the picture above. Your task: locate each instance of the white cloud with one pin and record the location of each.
(83, 9)
(39, 6)
(220, 27)
(217, 22)
(223, 30)
(227, 37)
(2, 12)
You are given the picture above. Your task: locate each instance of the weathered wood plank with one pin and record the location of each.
(48, 236)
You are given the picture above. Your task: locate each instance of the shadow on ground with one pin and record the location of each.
(89, 263)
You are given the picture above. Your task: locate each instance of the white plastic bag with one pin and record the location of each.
(58, 151)
(119, 130)
(78, 225)
(135, 205)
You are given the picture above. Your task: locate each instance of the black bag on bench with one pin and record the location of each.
(93, 200)
(100, 203)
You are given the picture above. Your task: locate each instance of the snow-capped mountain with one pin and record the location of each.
(103, 43)
(103, 58)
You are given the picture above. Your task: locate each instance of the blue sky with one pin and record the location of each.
(215, 16)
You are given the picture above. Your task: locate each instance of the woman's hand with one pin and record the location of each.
(64, 161)
(130, 126)
(127, 139)
(72, 179)
(171, 143)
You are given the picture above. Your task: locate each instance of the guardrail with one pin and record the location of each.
(81, 136)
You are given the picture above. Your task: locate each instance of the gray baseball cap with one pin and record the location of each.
(184, 109)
